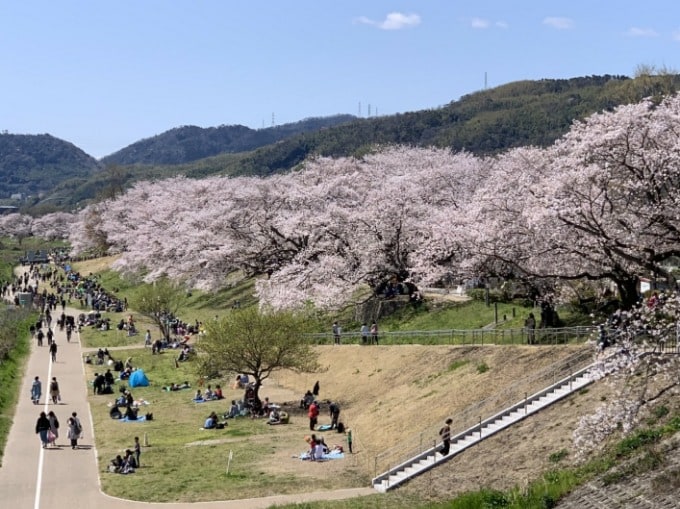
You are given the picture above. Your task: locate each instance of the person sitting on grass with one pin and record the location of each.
(130, 413)
(130, 460)
(274, 417)
(234, 410)
(198, 396)
(208, 395)
(210, 421)
(218, 393)
(116, 465)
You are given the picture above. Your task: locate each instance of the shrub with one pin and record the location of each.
(558, 456)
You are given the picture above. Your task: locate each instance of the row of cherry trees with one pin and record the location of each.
(600, 204)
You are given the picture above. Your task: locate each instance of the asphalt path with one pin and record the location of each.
(32, 477)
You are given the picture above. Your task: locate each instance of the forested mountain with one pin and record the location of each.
(485, 122)
(34, 165)
(190, 143)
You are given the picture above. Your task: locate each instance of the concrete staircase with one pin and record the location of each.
(431, 458)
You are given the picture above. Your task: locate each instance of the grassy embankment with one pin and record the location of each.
(262, 454)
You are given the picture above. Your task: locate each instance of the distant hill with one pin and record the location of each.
(34, 165)
(485, 122)
(190, 143)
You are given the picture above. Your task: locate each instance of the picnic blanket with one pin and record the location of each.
(141, 418)
(324, 427)
(332, 455)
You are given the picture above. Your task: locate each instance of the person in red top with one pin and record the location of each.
(313, 415)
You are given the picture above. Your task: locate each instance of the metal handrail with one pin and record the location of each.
(473, 414)
(557, 335)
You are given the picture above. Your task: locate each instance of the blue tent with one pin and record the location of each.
(138, 379)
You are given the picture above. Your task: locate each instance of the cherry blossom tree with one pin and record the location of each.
(612, 199)
(638, 371)
(600, 205)
(53, 226)
(15, 225)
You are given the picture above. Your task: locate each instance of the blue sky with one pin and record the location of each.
(104, 74)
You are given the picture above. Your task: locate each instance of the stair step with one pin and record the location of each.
(421, 463)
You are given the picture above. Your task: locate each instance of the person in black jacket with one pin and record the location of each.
(42, 426)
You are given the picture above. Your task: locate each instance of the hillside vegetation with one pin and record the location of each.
(517, 114)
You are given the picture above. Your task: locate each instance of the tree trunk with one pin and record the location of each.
(628, 290)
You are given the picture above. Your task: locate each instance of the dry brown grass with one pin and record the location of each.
(393, 395)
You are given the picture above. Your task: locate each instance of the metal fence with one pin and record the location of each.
(523, 336)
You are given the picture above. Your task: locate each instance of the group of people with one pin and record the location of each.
(369, 335)
(209, 394)
(103, 382)
(47, 427)
(128, 463)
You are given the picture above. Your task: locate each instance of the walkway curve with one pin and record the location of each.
(61, 478)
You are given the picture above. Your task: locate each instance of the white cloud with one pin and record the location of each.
(641, 32)
(393, 21)
(559, 23)
(676, 35)
(501, 24)
(479, 23)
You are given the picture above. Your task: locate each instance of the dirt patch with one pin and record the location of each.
(394, 395)
(95, 266)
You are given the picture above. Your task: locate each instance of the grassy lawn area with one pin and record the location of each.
(195, 460)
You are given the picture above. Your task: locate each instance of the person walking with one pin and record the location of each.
(445, 434)
(36, 390)
(75, 429)
(42, 426)
(40, 335)
(53, 351)
(54, 390)
(334, 411)
(53, 433)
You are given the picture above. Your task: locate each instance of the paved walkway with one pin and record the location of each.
(33, 478)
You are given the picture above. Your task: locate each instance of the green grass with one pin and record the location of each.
(11, 377)
(457, 364)
(199, 306)
(455, 315)
(196, 459)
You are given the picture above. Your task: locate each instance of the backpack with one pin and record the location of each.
(77, 427)
(54, 386)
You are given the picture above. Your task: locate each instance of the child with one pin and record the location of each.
(138, 451)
